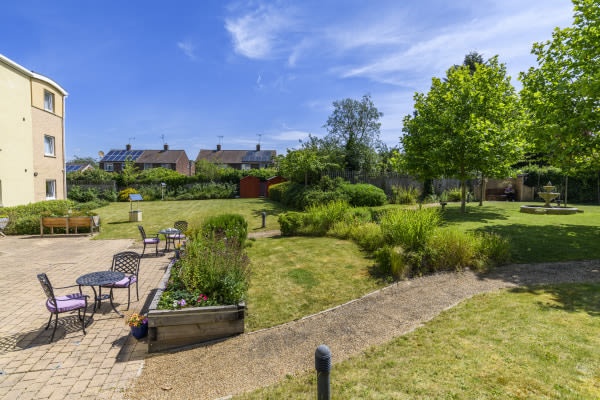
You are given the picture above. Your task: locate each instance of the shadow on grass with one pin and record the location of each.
(568, 297)
(539, 243)
(473, 214)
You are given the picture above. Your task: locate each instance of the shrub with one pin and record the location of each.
(230, 226)
(277, 191)
(290, 223)
(363, 194)
(368, 236)
(110, 195)
(124, 194)
(391, 261)
(25, 219)
(410, 228)
(341, 229)
(405, 194)
(451, 249)
(493, 249)
(319, 218)
(454, 194)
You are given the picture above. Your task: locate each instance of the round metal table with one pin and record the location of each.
(98, 279)
(166, 233)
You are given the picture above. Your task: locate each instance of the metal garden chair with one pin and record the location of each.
(148, 239)
(181, 226)
(60, 304)
(127, 262)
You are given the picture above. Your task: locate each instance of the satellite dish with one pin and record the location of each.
(101, 153)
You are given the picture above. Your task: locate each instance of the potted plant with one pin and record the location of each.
(138, 324)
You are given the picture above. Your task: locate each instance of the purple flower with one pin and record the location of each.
(182, 302)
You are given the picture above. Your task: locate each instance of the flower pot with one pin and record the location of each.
(139, 332)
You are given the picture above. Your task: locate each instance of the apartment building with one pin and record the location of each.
(32, 136)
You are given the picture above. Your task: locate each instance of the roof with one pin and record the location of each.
(122, 155)
(236, 156)
(161, 156)
(78, 167)
(32, 74)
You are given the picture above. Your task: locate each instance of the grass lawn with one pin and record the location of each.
(539, 342)
(162, 214)
(298, 276)
(534, 238)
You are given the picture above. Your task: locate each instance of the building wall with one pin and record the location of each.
(48, 167)
(183, 165)
(16, 142)
(37, 96)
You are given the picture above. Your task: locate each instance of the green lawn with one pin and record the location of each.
(539, 342)
(162, 214)
(298, 276)
(534, 238)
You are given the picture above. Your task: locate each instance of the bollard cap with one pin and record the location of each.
(323, 359)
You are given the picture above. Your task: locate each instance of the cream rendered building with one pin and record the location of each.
(32, 136)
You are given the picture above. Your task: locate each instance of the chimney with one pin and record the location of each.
(258, 147)
(218, 147)
(166, 147)
(128, 147)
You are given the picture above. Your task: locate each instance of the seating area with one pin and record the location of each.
(495, 194)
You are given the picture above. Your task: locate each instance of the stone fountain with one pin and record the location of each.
(548, 195)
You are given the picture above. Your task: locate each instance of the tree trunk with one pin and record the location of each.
(566, 189)
(463, 197)
(481, 191)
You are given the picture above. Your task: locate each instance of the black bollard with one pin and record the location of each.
(264, 217)
(323, 367)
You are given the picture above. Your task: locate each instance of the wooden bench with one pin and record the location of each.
(495, 194)
(68, 223)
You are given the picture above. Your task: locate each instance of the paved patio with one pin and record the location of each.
(100, 364)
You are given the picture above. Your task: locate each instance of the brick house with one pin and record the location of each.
(239, 159)
(176, 160)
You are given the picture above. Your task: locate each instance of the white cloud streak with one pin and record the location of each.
(188, 49)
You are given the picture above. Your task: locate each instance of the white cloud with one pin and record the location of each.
(188, 49)
(256, 33)
(259, 81)
(292, 135)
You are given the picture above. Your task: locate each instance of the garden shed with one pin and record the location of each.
(250, 187)
(273, 181)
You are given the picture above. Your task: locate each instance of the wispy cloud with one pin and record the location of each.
(188, 49)
(256, 33)
(292, 135)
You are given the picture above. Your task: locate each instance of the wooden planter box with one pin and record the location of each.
(69, 222)
(168, 329)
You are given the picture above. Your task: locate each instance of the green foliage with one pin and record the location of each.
(25, 219)
(410, 228)
(76, 193)
(405, 195)
(582, 188)
(391, 261)
(207, 171)
(303, 166)
(319, 218)
(230, 226)
(157, 175)
(493, 249)
(90, 176)
(453, 194)
(364, 195)
(290, 223)
(124, 194)
(276, 192)
(83, 161)
(466, 123)
(563, 94)
(368, 236)
(451, 249)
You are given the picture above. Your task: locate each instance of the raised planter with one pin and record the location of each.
(68, 223)
(168, 329)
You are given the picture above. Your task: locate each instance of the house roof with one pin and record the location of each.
(161, 156)
(122, 155)
(236, 156)
(78, 167)
(32, 74)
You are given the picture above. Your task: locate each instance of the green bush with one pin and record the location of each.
(368, 236)
(277, 191)
(454, 194)
(341, 229)
(230, 226)
(290, 223)
(410, 229)
(124, 194)
(110, 195)
(405, 195)
(493, 249)
(319, 218)
(363, 194)
(25, 219)
(451, 249)
(391, 261)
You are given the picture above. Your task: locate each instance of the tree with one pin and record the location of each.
(84, 160)
(354, 129)
(466, 123)
(563, 93)
(303, 166)
(129, 171)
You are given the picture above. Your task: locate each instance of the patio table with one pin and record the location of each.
(98, 279)
(166, 233)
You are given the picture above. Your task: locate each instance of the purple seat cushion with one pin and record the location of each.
(177, 236)
(66, 303)
(151, 240)
(125, 282)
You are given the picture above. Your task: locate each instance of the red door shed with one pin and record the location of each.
(273, 181)
(249, 187)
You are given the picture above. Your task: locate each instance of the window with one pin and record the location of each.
(49, 145)
(245, 166)
(108, 167)
(147, 165)
(48, 101)
(167, 166)
(50, 190)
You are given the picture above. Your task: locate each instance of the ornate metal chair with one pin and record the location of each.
(127, 262)
(181, 226)
(60, 304)
(148, 239)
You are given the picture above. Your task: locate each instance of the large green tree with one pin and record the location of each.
(468, 122)
(353, 128)
(563, 93)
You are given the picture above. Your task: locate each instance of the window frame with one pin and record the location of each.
(52, 183)
(112, 167)
(167, 166)
(148, 166)
(51, 96)
(53, 154)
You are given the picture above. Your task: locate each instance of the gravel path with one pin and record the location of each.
(264, 357)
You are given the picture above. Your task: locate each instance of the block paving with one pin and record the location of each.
(98, 365)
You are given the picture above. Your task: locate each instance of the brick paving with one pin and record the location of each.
(100, 364)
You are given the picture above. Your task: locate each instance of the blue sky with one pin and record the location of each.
(196, 70)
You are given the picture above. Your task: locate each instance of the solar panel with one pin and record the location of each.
(73, 168)
(122, 155)
(135, 197)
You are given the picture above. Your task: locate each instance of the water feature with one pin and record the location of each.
(548, 195)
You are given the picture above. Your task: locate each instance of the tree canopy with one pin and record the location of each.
(468, 122)
(563, 92)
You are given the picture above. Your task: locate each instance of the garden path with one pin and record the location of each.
(261, 358)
